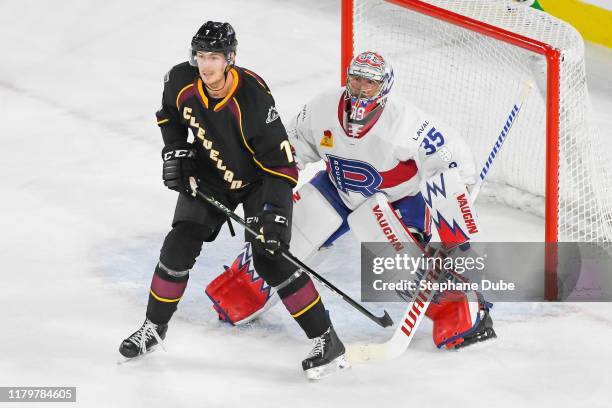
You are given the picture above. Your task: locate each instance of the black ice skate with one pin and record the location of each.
(142, 340)
(327, 356)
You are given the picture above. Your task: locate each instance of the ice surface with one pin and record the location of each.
(83, 214)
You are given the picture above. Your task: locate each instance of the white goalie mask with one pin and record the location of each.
(369, 80)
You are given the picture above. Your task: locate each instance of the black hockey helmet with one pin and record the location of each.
(214, 37)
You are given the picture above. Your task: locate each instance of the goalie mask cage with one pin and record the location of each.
(464, 61)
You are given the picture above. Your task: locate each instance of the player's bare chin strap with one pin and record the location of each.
(220, 88)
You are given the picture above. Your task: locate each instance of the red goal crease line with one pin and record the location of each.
(551, 222)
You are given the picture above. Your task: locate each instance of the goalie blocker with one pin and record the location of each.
(239, 295)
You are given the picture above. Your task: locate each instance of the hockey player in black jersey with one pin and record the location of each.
(240, 155)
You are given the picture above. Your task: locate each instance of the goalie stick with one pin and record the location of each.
(383, 321)
(415, 311)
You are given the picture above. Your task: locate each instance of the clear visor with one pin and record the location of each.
(363, 88)
(208, 57)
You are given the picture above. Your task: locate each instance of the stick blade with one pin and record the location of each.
(363, 353)
(385, 320)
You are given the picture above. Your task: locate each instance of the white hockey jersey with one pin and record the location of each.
(404, 146)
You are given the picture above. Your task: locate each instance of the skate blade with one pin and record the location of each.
(338, 364)
(125, 360)
(479, 344)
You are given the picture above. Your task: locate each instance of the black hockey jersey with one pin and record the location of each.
(238, 140)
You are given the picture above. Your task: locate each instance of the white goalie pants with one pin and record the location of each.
(320, 216)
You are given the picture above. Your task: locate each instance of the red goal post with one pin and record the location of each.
(358, 15)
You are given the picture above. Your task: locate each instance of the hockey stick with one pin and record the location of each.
(383, 321)
(415, 311)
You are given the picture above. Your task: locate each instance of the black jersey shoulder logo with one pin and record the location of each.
(272, 114)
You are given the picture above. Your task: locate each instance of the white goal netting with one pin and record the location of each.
(471, 81)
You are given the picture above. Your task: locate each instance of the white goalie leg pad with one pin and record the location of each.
(314, 221)
(376, 221)
(451, 209)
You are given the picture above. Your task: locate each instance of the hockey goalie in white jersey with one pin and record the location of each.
(380, 154)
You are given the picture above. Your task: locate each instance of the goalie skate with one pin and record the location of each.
(483, 331)
(480, 330)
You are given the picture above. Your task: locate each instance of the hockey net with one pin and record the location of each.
(464, 61)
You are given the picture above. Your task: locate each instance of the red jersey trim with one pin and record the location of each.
(183, 94)
(401, 173)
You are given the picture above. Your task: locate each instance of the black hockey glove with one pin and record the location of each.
(179, 165)
(276, 231)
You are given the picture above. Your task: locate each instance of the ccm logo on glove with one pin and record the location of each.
(279, 219)
(178, 154)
